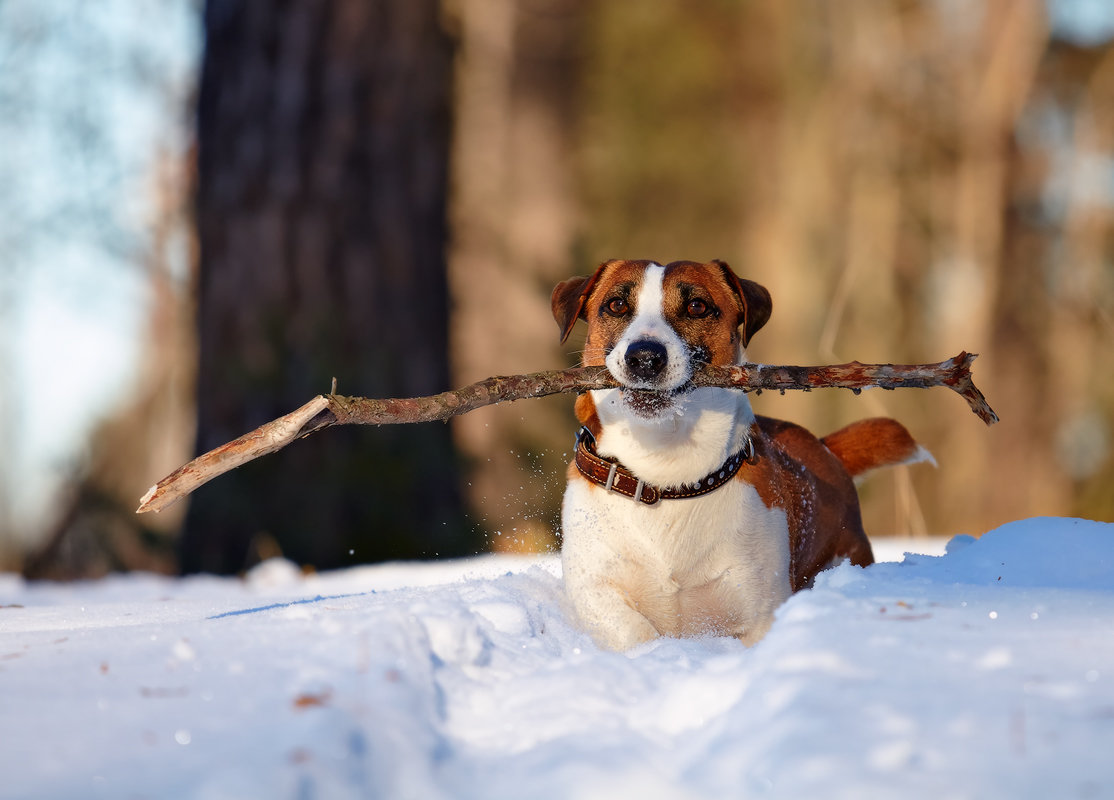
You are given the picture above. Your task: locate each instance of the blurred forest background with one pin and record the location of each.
(385, 192)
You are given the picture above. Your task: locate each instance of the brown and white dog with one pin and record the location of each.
(685, 514)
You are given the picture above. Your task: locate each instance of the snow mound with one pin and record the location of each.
(986, 672)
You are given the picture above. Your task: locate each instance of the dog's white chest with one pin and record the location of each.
(716, 564)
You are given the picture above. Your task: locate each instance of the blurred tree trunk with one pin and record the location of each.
(323, 135)
(514, 226)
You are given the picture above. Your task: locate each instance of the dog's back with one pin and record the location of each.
(813, 480)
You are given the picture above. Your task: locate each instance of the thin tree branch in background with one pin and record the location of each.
(325, 411)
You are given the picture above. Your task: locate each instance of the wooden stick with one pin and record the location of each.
(324, 411)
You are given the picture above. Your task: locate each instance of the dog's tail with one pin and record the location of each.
(869, 444)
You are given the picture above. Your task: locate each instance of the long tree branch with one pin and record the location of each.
(324, 411)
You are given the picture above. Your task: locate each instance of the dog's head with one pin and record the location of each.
(652, 325)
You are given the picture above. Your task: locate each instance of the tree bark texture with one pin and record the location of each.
(323, 133)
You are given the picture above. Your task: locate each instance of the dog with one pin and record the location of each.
(685, 514)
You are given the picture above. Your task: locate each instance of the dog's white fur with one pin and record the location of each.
(715, 564)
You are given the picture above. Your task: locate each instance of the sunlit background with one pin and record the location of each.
(909, 179)
(95, 126)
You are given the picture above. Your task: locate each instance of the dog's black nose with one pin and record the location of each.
(646, 359)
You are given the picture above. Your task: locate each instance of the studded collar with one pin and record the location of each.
(614, 477)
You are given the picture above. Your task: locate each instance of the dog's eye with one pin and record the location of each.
(617, 306)
(698, 309)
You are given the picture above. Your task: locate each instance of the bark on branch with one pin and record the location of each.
(324, 411)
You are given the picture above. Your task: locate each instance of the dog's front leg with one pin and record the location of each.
(606, 612)
(607, 568)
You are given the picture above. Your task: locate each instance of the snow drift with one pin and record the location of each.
(986, 672)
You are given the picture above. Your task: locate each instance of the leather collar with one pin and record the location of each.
(614, 477)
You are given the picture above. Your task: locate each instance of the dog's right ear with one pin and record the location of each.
(755, 300)
(569, 299)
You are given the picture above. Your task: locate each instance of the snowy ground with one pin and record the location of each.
(984, 673)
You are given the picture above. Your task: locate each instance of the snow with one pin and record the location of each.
(985, 672)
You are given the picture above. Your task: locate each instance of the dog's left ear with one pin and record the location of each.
(754, 298)
(569, 298)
